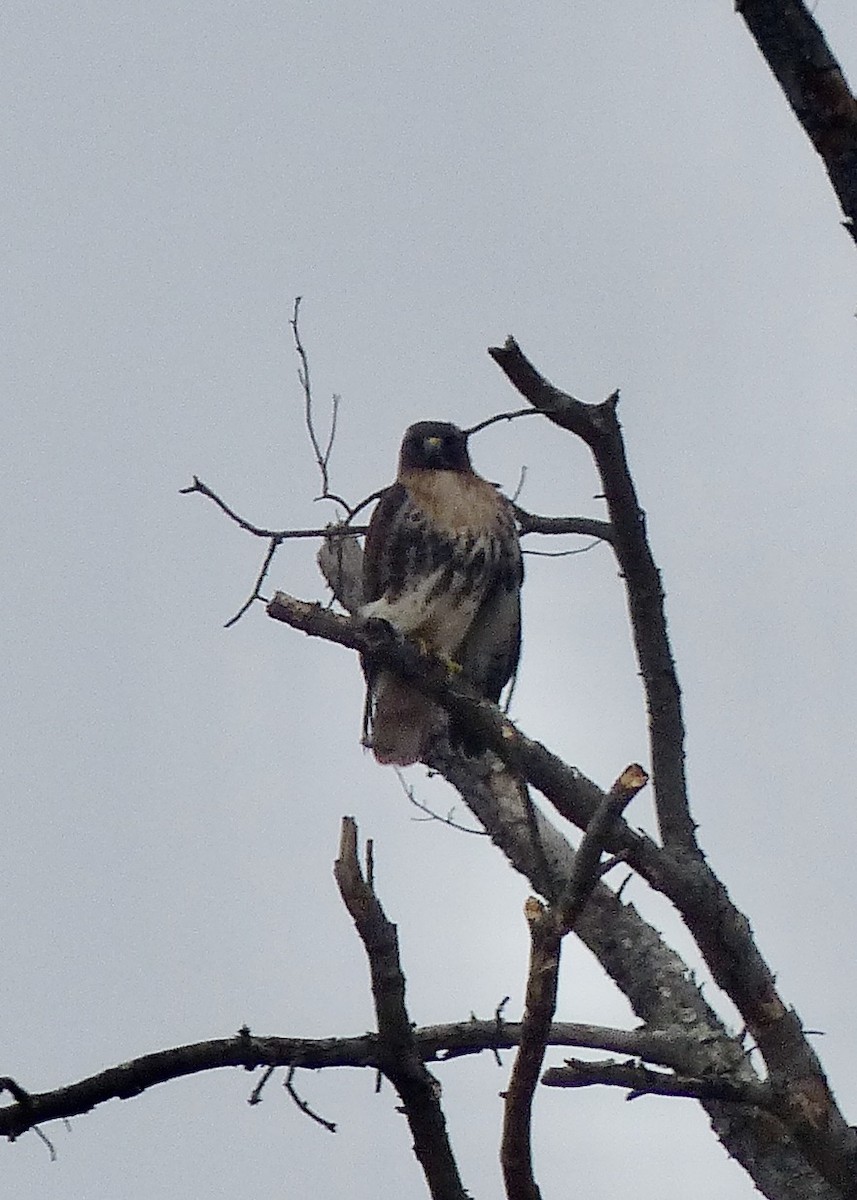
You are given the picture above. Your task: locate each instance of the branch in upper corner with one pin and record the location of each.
(643, 1081)
(399, 1057)
(813, 83)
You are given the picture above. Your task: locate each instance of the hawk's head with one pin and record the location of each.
(434, 446)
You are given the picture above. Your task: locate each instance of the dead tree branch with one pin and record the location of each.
(643, 1081)
(598, 426)
(322, 456)
(436, 1043)
(721, 931)
(584, 526)
(548, 926)
(302, 1105)
(813, 83)
(399, 1057)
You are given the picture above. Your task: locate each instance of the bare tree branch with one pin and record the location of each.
(655, 980)
(288, 1084)
(322, 457)
(641, 1080)
(436, 1043)
(548, 926)
(528, 522)
(429, 813)
(813, 83)
(585, 526)
(256, 594)
(516, 1157)
(283, 535)
(399, 1057)
(598, 426)
(720, 929)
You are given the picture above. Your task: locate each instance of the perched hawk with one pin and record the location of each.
(443, 565)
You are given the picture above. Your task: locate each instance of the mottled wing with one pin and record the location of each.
(382, 538)
(395, 717)
(489, 653)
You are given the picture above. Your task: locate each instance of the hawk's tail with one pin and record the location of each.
(398, 721)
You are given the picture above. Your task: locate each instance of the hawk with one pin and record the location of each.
(442, 564)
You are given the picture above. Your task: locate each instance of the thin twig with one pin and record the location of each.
(43, 1137)
(256, 594)
(561, 553)
(431, 815)
(255, 1096)
(322, 457)
(504, 416)
(330, 1126)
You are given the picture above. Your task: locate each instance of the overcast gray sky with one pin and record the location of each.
(624, 189)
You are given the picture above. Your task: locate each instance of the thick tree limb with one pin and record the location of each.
(721, 931)
(438, 1043)
(813, 83)
(399, 1057)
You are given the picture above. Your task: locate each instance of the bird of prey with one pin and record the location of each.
(442, 565)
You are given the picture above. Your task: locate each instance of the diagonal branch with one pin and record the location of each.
(813, 83)
(598, 426)
(399, 1057)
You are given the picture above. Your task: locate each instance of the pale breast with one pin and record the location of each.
(456, 502)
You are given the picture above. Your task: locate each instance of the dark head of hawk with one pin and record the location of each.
(442, 565)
